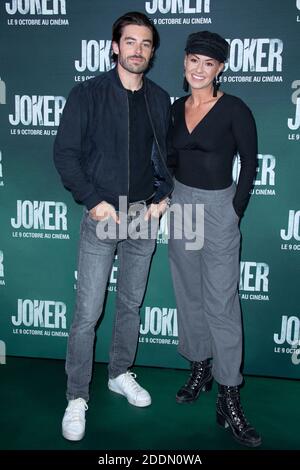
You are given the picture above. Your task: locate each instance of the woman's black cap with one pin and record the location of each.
(209, 44)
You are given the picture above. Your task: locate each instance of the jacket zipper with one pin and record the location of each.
(155, 137)
(128, 143)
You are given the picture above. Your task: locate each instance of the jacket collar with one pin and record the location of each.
(114, 76)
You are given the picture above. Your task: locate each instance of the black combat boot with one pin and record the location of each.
(230, 414)
(200, 379)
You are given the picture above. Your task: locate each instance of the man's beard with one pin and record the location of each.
(133, 68)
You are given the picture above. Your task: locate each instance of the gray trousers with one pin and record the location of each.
(206, 284)
(94, 266)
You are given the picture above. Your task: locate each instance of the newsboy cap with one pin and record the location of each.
(208, 44)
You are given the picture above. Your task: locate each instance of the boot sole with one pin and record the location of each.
(206, 388)
(221, 420)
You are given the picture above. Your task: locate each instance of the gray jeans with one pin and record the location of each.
(94, 266)
(206, 285)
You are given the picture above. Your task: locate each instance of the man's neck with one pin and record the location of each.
(130, 81)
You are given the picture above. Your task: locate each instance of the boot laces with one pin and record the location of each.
(236, 409)
(196, 375)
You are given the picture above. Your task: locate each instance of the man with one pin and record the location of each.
(111, 144)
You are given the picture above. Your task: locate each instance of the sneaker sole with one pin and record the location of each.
(132, 402)
(73, 437)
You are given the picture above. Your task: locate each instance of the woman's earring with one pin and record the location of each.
(216, 84)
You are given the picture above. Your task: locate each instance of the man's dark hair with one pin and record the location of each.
(136, 18)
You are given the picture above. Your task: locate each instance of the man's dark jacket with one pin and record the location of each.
(91, 149)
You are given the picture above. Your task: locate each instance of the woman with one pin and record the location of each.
(208, 128)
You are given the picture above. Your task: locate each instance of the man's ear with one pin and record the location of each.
(115, 47)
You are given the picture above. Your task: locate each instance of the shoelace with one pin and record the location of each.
(76, 408)
(195, 377)
(237, 412)
(129, 379)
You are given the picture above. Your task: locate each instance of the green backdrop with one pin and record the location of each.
(46, 48)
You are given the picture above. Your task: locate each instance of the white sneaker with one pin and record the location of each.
(73, 423)
(125, 385)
